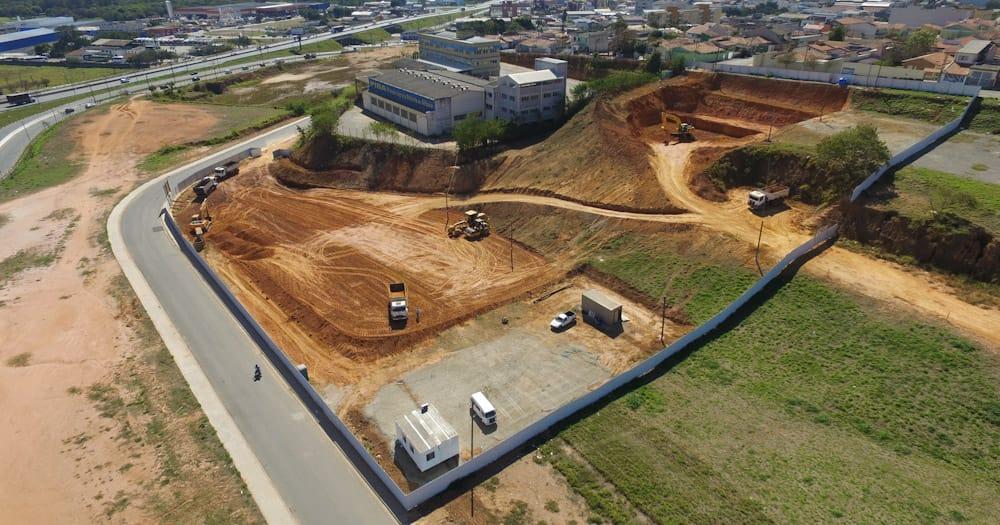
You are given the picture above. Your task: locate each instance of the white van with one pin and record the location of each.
(483, 409)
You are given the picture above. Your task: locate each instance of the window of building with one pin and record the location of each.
(546, 95)
(430, 455)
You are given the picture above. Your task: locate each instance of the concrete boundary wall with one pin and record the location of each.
(338, 431)
(179, 186)
(948, 88)
(915, 150)
(329, 421)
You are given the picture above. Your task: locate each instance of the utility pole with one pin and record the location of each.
(472, 453)
(756, 254)
(511, 237)
(663, 318)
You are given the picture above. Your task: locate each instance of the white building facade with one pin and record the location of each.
(427, 102)
(525, 98)
(428, 439)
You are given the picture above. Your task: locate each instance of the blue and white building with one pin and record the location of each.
(25, 40)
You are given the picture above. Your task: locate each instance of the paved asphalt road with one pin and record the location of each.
(318, 483)
(203, 65)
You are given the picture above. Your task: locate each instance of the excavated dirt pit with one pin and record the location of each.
(732, 106)
(325, 257)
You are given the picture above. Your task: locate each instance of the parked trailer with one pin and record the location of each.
(760, 197)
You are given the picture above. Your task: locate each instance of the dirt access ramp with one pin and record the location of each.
(729, 105)
(325, 257)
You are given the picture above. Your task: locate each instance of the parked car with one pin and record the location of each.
(124, 80)
(563, 320)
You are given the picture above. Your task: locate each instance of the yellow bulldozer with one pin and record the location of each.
(200, 222)
(476, 225)
(679, 130)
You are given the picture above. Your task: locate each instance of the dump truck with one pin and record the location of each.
(205, 186)
(398, 310)
(20, 99)
(227, 170)
(760, 197)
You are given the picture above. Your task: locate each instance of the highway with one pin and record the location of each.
(203, 65)
(312, 476)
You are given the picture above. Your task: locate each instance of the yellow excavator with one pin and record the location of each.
(475, 226)
(678, 129)
(200, 222)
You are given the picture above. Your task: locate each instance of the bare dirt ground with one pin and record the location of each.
(62, 461)
(322, 259)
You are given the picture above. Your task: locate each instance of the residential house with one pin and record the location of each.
(975, 52)
(932, 64)
(709, 31)
(983, 75)
(919, 16)
(856, 27)
(592, 41)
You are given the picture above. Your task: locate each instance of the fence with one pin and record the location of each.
(916, 149)
(948, 88)
(338, 431)
(190, 179)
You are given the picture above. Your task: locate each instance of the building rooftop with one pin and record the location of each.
(21, 35)
(431, 84)
(975, 46)
(530, 77)
(601, 299)
(425, 430)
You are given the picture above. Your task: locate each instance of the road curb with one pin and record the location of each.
(272, 506)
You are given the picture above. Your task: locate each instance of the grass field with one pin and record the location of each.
(32, 78)
(431, 21)
(323, 46)
(234, 122)
(929, 107)
(817, 407)
(43, 164)
(923, 192)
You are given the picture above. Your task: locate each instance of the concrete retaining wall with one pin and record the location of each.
(949, 88)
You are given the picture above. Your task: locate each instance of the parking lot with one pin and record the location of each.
(523, 367)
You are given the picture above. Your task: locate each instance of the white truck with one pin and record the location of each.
(760, 197)
(398, 309)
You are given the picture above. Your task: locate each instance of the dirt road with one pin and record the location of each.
(62, 462)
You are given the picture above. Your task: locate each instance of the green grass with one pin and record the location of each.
(34, 78)
(323, 46)
(928, 107)
(43, 164)
(701, 288)
(987, 119)
(814, 408)
(20, 360)
(25, 260)
(431, 21)
(372, 36)
(923, 191)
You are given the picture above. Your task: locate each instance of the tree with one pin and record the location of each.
(382, 130)
(654, 64)
(475, 132)
(42, 49)
(677, 65)
(619, 36)
(919, 42)
(242, 41)
(839, 33)
(851, 155)
(324, 122)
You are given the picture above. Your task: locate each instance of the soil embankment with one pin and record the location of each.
(946, 241)
(376, 166)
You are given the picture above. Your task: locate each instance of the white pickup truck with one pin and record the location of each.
(760, 197)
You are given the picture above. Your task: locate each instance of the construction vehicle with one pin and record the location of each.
(682, 131)
(398, 310)
(475, 226)
(760, 197)
(205, 186)
(227, 170)
(20, 99)
(200, 222)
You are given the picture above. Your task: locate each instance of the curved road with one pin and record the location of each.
(278, 447)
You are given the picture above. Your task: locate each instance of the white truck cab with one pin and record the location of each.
(483, 409)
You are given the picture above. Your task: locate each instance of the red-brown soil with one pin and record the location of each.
(320, 261)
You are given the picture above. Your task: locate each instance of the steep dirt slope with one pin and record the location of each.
(594, 158)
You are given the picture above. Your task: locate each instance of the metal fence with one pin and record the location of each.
(948, 88)
(338, 431)
(916, 149)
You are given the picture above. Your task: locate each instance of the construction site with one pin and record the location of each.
(401, 278)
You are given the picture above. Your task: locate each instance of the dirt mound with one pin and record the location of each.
(594, 159)
(359, 164)
(318, 263)
(945, 241)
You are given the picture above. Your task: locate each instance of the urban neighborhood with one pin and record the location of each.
(501, 262)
